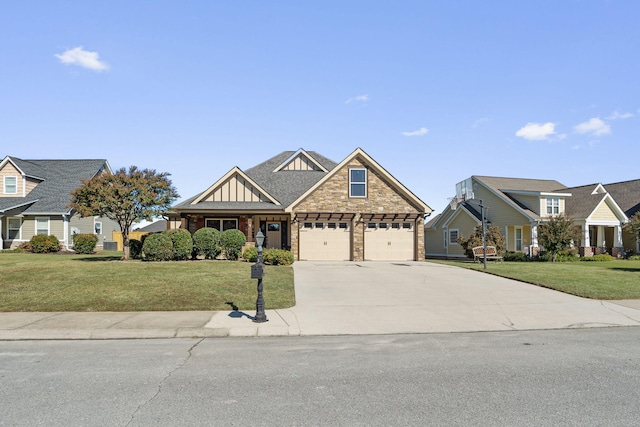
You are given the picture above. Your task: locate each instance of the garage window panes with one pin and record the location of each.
(222, 224)
(358, 182)
(13, 228)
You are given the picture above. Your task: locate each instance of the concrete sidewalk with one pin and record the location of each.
(353, 299)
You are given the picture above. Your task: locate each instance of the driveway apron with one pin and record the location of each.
(336, 298)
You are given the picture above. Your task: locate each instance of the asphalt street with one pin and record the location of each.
(511, 378)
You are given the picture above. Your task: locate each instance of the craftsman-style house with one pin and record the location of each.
(34, 199)
(319, 209)
(518, 206)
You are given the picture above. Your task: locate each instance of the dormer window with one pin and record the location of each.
(553, 206)
(10, 185)
(357, 182)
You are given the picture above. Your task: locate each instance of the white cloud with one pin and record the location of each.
(360, 98)
(479, 122)
(616, 115)
(82, 58)
(594, 126)
(537, 131)
(419, 132)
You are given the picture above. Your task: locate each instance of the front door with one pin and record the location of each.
(274, 235)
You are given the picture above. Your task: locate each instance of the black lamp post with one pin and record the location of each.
(257, 272)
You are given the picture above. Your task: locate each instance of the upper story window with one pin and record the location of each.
(553, 206)
(358, 182)
(10, 185)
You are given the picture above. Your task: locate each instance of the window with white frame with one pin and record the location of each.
(454, 233)
(10, 185)
(13, 228)
(446, 238)
(222, 224)
(97, 227)
(553, 206)
(517, 239)
(357, 182)
(42, 225)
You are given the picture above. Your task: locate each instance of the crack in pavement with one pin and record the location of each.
(166, 377)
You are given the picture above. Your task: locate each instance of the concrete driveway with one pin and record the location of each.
(335, 298)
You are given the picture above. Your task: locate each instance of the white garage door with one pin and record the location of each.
(389, 241)
(325, 241)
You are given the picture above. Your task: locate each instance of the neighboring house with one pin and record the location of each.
(627, 196)
(518, 206)
(155, 227)
(34, 199)
(317, 208)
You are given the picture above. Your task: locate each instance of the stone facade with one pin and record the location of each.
(382, 198)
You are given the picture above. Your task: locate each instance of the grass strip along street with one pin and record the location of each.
(101, 282)
(611, 280)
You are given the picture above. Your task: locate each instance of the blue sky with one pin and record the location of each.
(434, 91)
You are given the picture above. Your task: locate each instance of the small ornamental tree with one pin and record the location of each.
(557, 233)
(206, 241)
(634, 225)
(493, 237)
(125, 197)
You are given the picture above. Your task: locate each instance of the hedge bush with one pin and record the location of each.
(515, 257)
(135, 248)
(598, 258)
(84, 243)
(277, 257)
(232, 242)
(157, 247)
(182, 243)
(250, 254)
(206, 241)
(42, 243)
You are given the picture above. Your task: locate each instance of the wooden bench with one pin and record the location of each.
(492, 253)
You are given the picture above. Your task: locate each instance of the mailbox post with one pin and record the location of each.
(257, 272)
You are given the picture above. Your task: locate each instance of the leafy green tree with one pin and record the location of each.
(125, 197)
(493, 237)
(634, 224)
(557, 233)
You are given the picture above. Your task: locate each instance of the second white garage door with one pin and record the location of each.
(325, 241)
(389, 241)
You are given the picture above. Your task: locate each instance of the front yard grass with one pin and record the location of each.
(101, 282)
(618, 279)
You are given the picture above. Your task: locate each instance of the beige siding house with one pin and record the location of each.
(317, 208)
(34, 195)
(518, 206)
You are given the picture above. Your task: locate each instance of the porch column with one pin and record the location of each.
(617, 236)
(249, 229)
(534, 234)
(586, 238)
(601, 239)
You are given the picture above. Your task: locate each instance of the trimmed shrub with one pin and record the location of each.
(135, 248)
(182, 243)
(634, 257)
(206, 241)
(277, 257)
(598, 258)
(84, 243)
(232, 242)
(42, 243)
(515, 257)
(250, 254)
(157, 247)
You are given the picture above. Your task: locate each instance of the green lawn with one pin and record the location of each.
(599, 280)
(101, 282)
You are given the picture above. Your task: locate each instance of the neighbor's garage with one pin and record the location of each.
(389, 241)
(325, 240)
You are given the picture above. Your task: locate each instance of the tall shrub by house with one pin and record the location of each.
(232, 242)
(206, 242)
(157, 247)
(182, 243)
(85, 243)
(43, 243)
(493, 237)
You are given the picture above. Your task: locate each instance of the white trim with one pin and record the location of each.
(515, 238)
(15, 185)
(450, 242)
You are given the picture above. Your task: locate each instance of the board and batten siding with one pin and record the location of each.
(235, 189)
